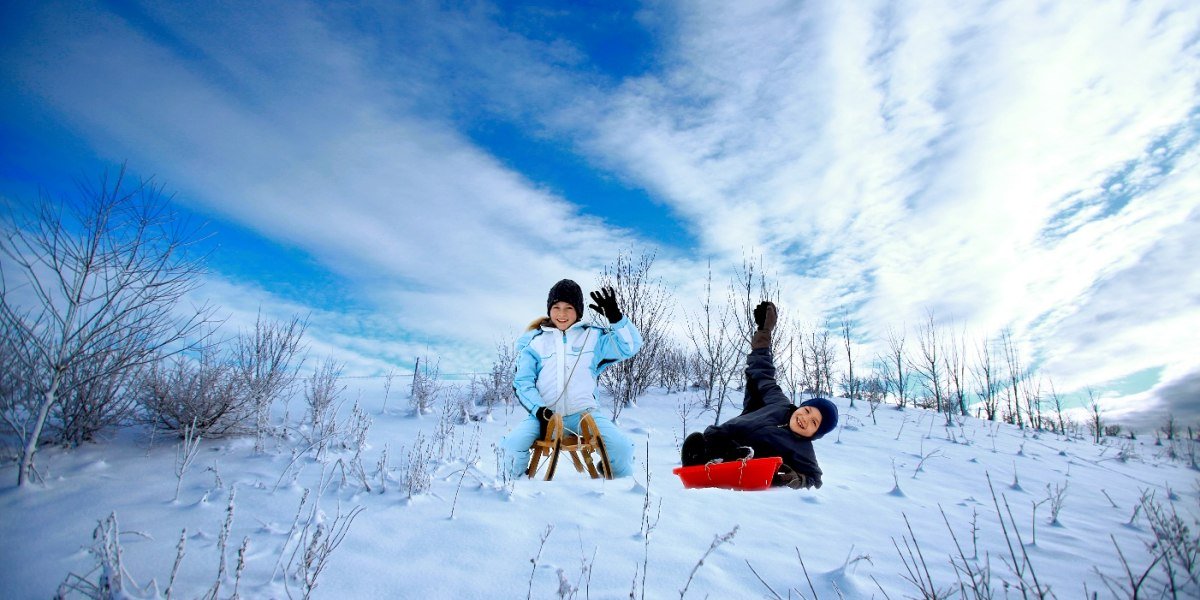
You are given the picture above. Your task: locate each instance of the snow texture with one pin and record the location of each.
(909, 465)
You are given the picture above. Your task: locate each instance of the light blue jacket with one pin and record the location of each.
(558, 369)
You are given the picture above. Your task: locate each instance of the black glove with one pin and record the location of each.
(694, 450)
(606, 304)
(786, 477)
(765, 317)
(543, 415)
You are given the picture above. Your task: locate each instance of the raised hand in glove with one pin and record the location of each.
(786, 477)
(606, 304)
(765, 317)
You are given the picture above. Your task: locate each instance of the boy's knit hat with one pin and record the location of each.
(829, 415)
(566, 291)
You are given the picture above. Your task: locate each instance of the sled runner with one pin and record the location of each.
(579, 445)
(751, 474)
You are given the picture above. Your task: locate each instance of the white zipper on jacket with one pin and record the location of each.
(562, 374)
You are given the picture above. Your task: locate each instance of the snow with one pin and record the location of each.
(878, 472)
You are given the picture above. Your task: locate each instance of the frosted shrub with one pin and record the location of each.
(1182, 449)
(416, 476)
(354, 438)
(203, 393)
(108, 578)
(316, 537)
(425, 388)
(450, 415)
(498, 384)
(354, 431)
(109, 572)
(266, 361)
(1127, 452)
(1173, 570)
(320, 396)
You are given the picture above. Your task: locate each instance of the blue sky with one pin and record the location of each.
(416, 175)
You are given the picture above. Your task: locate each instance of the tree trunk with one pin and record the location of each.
(26, 469)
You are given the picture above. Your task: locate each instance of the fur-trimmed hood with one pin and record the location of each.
(538, 323)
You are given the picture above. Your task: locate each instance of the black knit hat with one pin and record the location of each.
(829, 415)
(566, 291)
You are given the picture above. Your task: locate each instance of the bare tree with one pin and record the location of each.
(987, 381)
(18, 396)
(1033, 401)
(956, 374)
(646, 302)
(822, 357)
(715, 352)
(1015, 375)
(90, 402)
(748, 288)
(874, 389)
(92, 287)
(851, 385)
(1095, 421)
(672, 367)
(1057, 399)
(929, 365)
(1169, 428)
(795, 356)
(895, 367)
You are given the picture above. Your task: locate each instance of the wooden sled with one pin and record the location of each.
(580, 446)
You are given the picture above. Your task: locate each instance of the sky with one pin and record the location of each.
(415, 176)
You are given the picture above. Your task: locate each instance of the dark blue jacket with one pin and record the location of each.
(763, 424)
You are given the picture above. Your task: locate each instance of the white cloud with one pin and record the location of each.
(890, 157)
(917, 155)
(281, 127)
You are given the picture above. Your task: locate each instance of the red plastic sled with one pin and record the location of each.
(753, 474)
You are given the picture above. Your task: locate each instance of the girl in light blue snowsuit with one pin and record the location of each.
(558, 361)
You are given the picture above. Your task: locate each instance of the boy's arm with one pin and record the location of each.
(761, 387)
(525, 380)
(800, 458)
(616, 343)
(787, 477)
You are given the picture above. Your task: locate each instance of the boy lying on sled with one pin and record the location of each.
(769, 425)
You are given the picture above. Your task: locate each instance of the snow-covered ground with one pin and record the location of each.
(474, 536)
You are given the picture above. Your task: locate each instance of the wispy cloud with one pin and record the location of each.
(289, 134)
(1001, 164)
(925, 153)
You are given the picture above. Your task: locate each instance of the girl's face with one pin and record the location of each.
(562, 314)
(805, 421)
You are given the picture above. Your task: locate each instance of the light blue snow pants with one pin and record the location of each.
(516, 444)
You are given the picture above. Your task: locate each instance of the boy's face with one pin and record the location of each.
(805, 421)
(562, 314)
